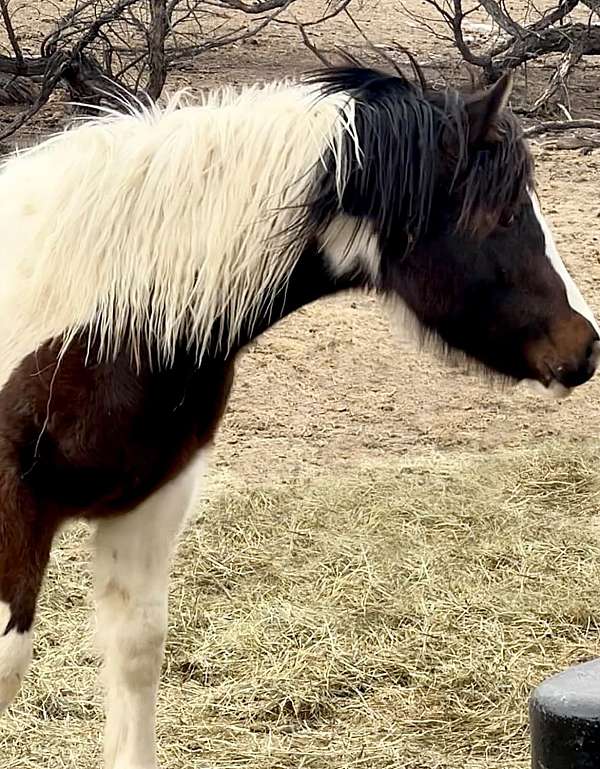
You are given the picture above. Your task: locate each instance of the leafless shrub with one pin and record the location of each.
(491, 37)
(111, 50)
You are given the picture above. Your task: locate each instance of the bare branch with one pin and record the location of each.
(556, 15)
(560, 125)
(466, 52)
(28, 67)
(54, 74)
(49, 43)
(521, 42)
(92, 32)
(156, 48)
(454, 21)
(242, 33)
(549, 19)
(332, 14)
(502, 19)
(312, 48)
(11, 32)
(558, 80)
(584, 37)
(261, 6)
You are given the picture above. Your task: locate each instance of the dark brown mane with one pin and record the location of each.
(495, 178)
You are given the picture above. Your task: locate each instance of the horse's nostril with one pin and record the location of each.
(572, 376)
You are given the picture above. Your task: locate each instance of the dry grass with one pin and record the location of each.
(394, 619)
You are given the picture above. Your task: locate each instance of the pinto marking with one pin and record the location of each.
(574, 295)
(15, 656)
(351, 246)
(132, 560)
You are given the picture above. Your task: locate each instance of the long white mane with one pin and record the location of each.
(159, 224)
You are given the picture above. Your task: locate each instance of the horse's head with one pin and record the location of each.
(446, 186)
(485, 274)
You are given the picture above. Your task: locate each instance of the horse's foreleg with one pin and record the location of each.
(25, 541)
(133, 555)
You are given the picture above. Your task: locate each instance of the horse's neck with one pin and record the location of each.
(310, 280)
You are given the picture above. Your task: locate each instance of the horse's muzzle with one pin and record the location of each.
(559, 379)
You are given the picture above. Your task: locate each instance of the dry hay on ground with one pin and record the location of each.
(397, 618)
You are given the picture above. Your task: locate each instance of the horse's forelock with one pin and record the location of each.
(493, 178)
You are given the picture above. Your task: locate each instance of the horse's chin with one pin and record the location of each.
(554, 390)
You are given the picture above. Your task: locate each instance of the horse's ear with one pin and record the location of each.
(484, 108)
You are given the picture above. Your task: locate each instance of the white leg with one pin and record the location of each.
(15, 655)
(133, 555)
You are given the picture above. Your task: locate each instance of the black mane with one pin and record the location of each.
(403, 133)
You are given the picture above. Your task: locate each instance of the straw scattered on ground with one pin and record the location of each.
(396, 618)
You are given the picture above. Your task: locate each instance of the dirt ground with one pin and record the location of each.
(331, 394)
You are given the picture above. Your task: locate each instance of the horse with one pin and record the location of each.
(143, 250)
